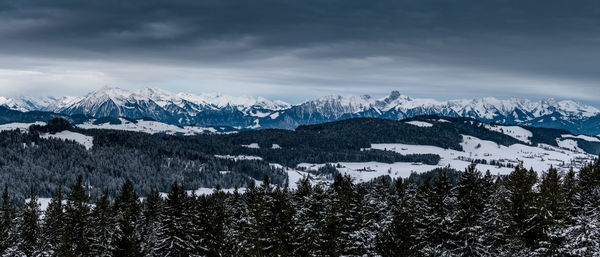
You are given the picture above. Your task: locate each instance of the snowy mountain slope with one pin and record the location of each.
(570, 115)
(516, 132)
(25, 103)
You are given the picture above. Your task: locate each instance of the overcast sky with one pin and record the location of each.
(301, 49)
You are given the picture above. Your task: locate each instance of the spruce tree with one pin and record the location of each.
(281, 222)
(53, 227)
(520, 206)
(396, 238)
(7, 215)
(424, 236)
(215, 234)
(338, 222)
(235, 225)
(552, 211)
(151, 222)
(29, 227)
(126, 239)
(582, 236)
(77, 237)
(259, 230)
(467, 218)
(199, 227)
(103, 223)
(442, 203)
(305, 229)
(174, 236)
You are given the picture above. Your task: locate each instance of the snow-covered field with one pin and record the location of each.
(86, 141)
(516, 132)
(584, 137)
(253, 146)
(21, 126)
(569, 144)
(540, 158)
(150, 127)
(365, 171)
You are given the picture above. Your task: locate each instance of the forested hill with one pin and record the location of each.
(36, 157)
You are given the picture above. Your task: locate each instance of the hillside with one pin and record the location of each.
(364, 148)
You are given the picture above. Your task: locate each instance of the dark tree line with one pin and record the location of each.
(27, 160)
(520, 214)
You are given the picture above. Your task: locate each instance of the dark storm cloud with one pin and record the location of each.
(542, 39)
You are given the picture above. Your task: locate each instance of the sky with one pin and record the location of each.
(296, 50)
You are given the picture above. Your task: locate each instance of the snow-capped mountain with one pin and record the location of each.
(25, 103)
(161, 105)
(547, 113)
(185, 109)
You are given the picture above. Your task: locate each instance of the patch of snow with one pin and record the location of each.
(420, 123)
(274, 115)
(260, 114)
(569, 144)
(86, 141)
(43, 202)
(275, 146)
(253, 146)
(238, 157)
(584, 137)
(256, 125)
(516, 132)
(539, 157)
(20, 126)
(150, 127)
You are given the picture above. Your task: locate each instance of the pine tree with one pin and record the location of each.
(376, 212)
(29, 227)
(495, 221)
(151, 222)
(552, 210)
(338, 222)
(360, 222)
(199, 228)
(7, 227)
(103, 223)
(396, 238)
(305, 228)
(521, 209)
(467, 218)
(77, 237)
(54, 223)
(424, 238)
(443, 202)
(582, 236)
(281, 223)
(175, 239)
(235, 226)
(259, 234)
(126, 240)
(215, 233)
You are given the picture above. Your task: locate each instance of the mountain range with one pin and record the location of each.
(184, 109)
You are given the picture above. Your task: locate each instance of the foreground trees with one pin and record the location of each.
(521, 214)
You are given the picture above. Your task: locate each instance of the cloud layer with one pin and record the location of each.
(301, 49)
